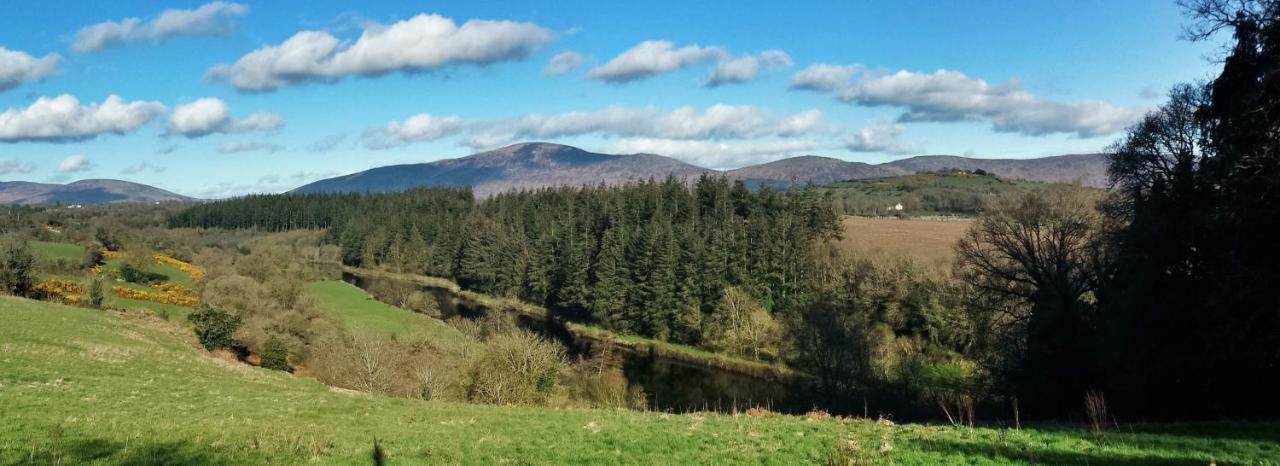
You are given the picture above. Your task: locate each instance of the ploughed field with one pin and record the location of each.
(86, 386)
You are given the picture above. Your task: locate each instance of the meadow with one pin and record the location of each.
(931, 241)
(100, 387)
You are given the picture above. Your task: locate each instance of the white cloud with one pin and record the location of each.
(235, 147)
(717, 122)
(883, 136)
(211, 115)
(422, 43)
(10, 166)
(718, 155)
(562, 63)
(745, 68)
(949, 96)
(17, 67)
(74, 164)
(62, 118)
(211, 19)
(265, 184)
(651, 57)
(417, 128)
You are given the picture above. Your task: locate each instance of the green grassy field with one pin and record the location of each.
(83, 386)
(360, 313)
(52, 252)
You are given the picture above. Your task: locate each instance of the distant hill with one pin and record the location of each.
(944, 192)
(810, 168)
(83, 192)
(1088, 169)
(536, 165)
(520, 166)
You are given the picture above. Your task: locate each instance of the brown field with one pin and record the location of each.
(930, 241)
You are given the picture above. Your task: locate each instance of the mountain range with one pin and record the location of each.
(536, 165)
(83, 192)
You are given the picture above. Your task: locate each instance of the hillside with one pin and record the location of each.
(80, 386)
(923, 194)
(809, 168)
(520, 166)
(1088, 169)
(83, 192)
(537, 165)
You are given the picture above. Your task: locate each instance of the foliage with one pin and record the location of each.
(96, 293)
(275, 355)
(17, 268)
(650, 258)
(214, 328)
(517, 368)
(952, 192)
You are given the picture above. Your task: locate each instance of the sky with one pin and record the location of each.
(216, 99)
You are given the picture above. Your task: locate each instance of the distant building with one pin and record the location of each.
(898, 207)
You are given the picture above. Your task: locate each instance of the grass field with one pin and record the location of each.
(930, 241)
(83, 386)
(361, 313)
(52, 252)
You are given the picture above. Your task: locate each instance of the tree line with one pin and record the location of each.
(651, 258)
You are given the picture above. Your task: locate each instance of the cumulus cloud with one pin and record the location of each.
(17, 67)
(717, 122)
(417, 128)
(883, 136)
(651, 57)
(74, 164)
(211, 19)
(63, 118)
(562, 63)
(745, 68)
(715, 154)
(235, 147)
(949, 96)
(10, 167)
(422, 43)
(211, 115)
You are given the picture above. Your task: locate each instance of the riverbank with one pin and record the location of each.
(591, 333)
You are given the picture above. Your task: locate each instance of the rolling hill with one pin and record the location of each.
(536, 165)
(520, 166)
(83, 192)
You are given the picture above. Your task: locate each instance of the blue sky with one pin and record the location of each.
(218, 99)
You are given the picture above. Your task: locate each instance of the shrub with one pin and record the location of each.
(92, 257)
(17, 269)
(517, 368)
(275, 355)
(134, 274)
(96, 294)
(215, 328)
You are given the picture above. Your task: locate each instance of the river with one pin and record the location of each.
(669, 384)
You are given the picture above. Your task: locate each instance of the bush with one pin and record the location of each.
(135, 274)
(517, 368)
(215, 328)
(17, 270)
(275, 355)
(96, 294)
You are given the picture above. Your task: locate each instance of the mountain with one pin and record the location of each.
(83, 192)
(536, 165)
(520, 166)
(809, 168)
(1088, 169)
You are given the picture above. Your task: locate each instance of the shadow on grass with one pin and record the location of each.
(102, 451)
(972, 451)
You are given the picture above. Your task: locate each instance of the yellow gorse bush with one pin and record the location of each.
(65, 290)
(194, 271)
(110, 254)
(168, 294)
